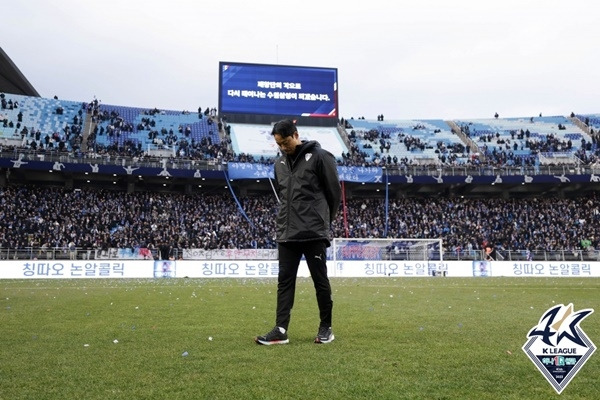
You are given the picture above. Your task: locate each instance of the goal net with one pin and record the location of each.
(387, 249)
(427, 251)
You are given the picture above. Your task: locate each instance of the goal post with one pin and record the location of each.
(428, 251)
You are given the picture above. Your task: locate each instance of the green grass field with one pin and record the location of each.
(396, 338)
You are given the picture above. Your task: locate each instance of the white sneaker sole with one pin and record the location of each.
(267, 343)
(317, 340)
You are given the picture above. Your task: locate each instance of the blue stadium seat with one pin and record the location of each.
(164, 121)
(415, 140)
(530, 135)
(41, 114)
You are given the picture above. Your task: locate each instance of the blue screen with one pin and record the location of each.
(278, 90)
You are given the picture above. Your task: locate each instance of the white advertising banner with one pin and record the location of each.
(553, 269)
(76, 269)
(466, 268)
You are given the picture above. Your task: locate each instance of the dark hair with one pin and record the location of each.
(285, 128)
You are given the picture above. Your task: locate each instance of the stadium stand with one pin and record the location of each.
(35, 123)
(40, 221)
(41, 123)
(156, 132)
(407, 142)
(42, 215)
(526, 141)
(591, 120)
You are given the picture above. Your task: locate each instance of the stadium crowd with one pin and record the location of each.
(49, 217)
(72, 139)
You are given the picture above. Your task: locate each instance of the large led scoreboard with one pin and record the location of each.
(249, 91)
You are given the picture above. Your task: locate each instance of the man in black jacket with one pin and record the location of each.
(309, 194)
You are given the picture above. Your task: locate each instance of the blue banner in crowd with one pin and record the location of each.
(360, 174)
(238, 170)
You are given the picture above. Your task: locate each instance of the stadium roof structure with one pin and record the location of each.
(12, 79)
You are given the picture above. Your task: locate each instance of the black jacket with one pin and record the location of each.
(309, 193)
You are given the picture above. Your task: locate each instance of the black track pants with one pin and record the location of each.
(289, 259)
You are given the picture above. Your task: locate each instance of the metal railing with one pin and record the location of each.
(560, 255)
(214, 164)
(37, 253)
(111, 159)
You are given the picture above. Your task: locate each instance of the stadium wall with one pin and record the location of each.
(63, 269)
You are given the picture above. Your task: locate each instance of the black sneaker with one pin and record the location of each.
(276, 336)
(325, 335)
